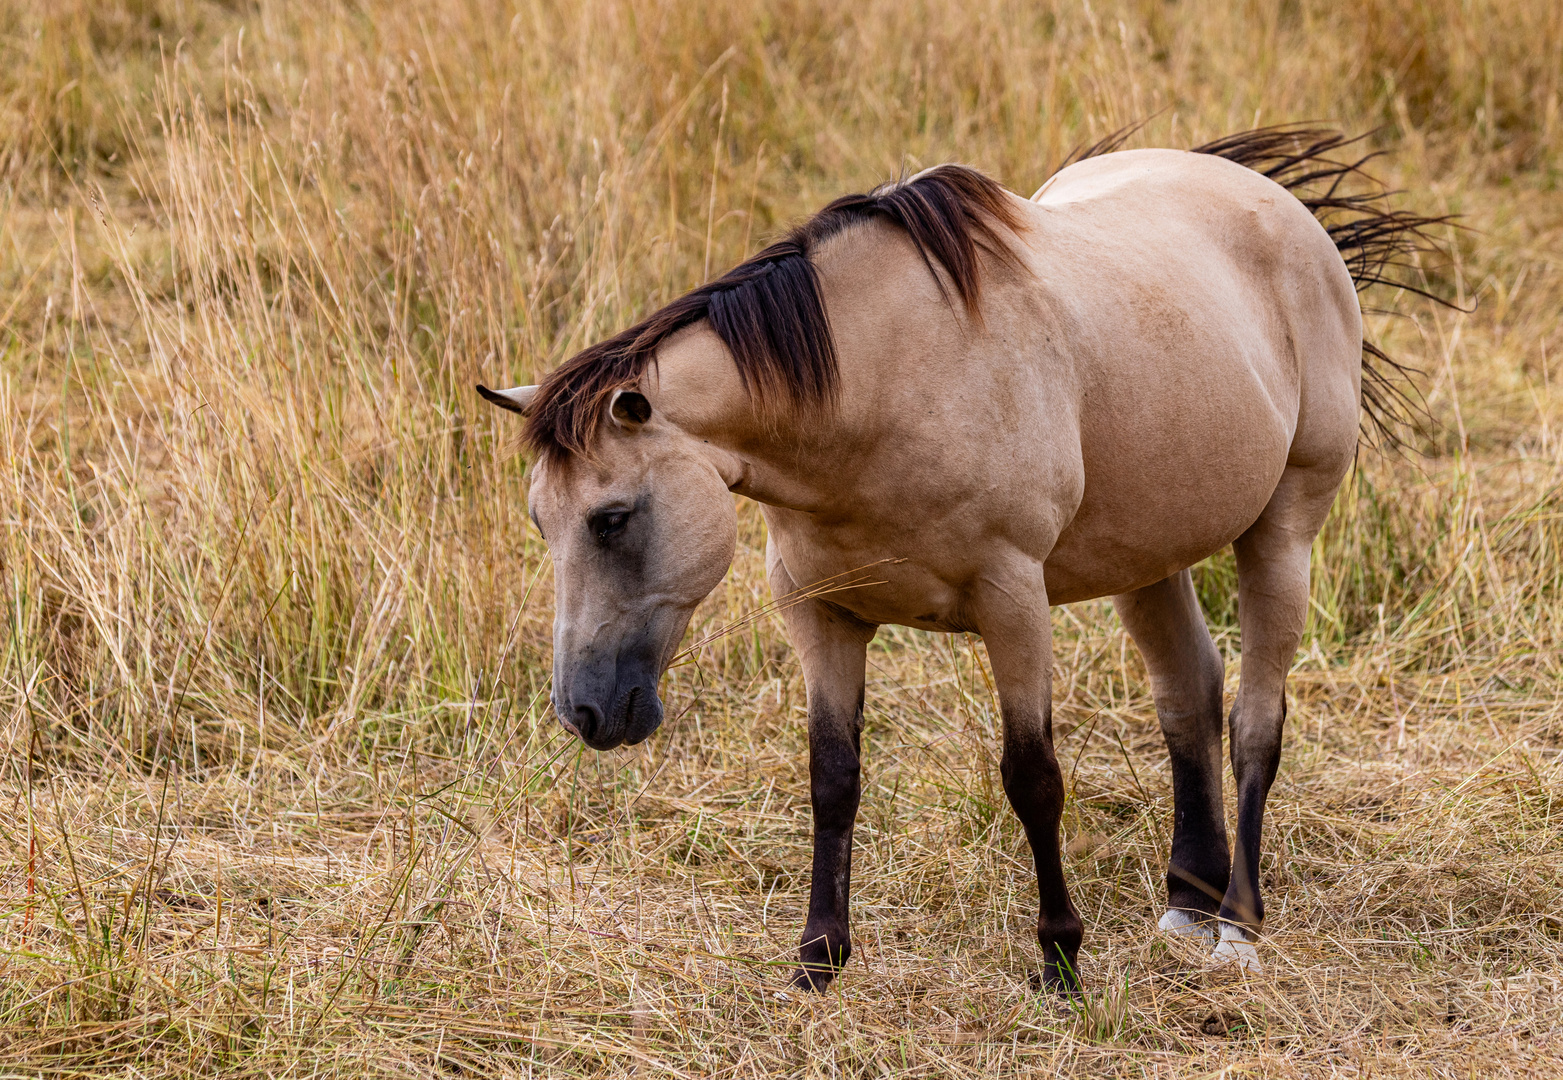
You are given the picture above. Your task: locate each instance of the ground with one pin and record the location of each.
(282, 794)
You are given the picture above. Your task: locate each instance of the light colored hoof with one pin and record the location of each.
(1181, 923)
(1237, 948)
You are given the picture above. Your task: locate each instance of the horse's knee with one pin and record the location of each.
(834, 796)
(835, 782)
(1189, 699)
(1257, 731)
(1034, 784)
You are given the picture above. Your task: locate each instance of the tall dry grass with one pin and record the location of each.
(283, 794)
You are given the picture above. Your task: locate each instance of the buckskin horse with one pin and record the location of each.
(999, 404)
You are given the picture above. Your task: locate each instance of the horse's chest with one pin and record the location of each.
(913, 582)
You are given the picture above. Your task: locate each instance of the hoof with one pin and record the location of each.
(821, 957)
(1049, 981)
(1237, 950)
(812, 980)
(1183, 924)
(1060, 972)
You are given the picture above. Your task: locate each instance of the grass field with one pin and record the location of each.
(281, 791)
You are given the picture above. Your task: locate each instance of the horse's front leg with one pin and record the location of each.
(1013, 619)
(832, 647)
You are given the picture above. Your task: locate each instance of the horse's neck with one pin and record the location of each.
(895, 331)
(765, 457)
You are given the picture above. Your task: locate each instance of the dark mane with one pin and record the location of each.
(769, 312)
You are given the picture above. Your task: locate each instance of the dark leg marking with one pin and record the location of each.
(835, 790)
(1035, 786)
(1186, 672)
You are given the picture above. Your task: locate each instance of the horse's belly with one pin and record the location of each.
(1137, 526)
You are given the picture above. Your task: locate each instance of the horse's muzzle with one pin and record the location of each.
(634, 713)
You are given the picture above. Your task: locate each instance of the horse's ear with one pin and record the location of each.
(629, 409)
(517, 399)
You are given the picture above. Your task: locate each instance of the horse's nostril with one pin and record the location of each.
(587, 719)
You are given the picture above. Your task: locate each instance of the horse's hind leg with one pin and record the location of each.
(1272, 574)
(1186, 677)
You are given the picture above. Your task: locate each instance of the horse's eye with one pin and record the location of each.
(608, 522)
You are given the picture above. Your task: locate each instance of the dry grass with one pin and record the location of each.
(282, 794)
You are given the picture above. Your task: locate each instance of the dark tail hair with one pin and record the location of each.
(1378, 244)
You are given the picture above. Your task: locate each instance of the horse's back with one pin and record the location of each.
(1214, 335)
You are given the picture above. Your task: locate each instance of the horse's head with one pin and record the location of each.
(641, 530)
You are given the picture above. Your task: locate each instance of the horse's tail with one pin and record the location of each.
(1379, 245)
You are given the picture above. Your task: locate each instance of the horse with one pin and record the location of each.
(1000, 404)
